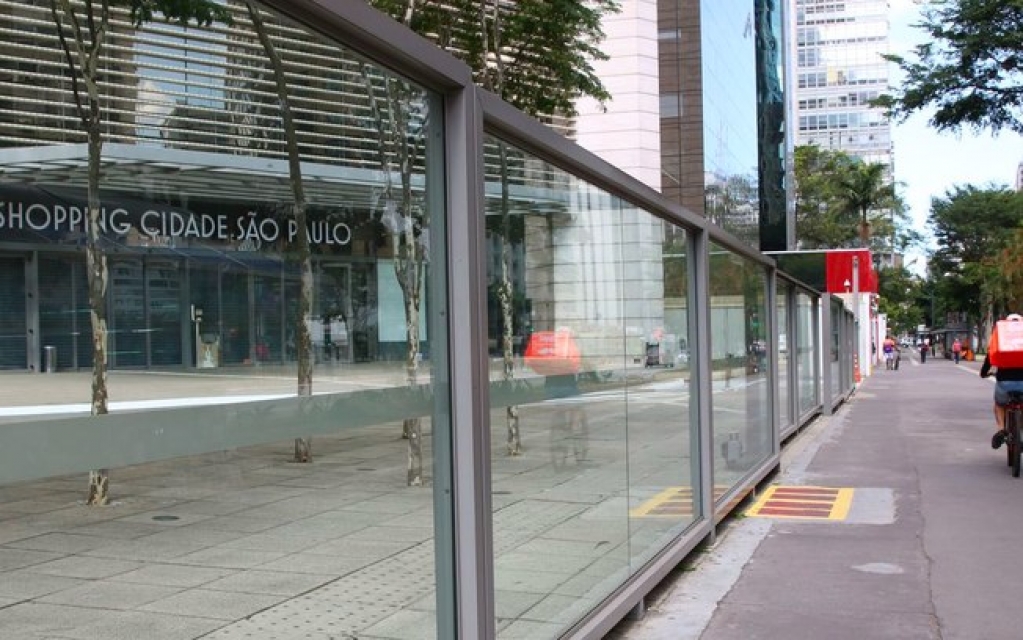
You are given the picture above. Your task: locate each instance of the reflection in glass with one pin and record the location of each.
(806, 333)
(202, 303)
(784, 295)
(587, 317)
(741, 404)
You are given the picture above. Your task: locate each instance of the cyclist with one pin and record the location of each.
(889, 348)
(1007, 379)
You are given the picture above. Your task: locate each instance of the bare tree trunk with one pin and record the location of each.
(506, 298)
(87, 57)
(303, 341)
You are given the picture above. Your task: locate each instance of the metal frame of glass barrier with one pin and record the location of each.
(462, 492)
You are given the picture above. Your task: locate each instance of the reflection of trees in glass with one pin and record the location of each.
(303, 341)
(537, 55)
(89, 28)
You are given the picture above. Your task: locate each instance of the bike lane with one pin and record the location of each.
(923, 545)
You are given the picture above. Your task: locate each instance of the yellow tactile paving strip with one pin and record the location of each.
(803, 503)
(670, 503)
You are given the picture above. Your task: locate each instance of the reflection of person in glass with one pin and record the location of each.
(569, 428)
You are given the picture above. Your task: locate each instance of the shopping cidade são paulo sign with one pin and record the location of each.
(250, 228)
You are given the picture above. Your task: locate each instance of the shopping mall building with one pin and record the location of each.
(550, 507)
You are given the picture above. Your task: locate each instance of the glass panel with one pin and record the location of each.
(834, 359)
(559, 293)
(741, 402)
(211, 529)
(784, 294)
(806, 332)
(662, 444)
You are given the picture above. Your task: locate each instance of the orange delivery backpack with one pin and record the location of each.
(553, 353)
(1006, 348)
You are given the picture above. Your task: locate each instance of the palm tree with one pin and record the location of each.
(865, 187)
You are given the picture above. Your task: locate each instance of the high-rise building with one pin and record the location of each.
(838, 69)
(697, 109)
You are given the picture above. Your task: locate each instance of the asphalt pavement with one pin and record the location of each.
(920, 540)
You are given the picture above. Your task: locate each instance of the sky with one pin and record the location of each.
(928, 163)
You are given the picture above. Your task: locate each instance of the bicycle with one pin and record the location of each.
(1013, 427)
(570, 435)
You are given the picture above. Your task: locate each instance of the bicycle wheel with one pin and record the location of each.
(1012, 420)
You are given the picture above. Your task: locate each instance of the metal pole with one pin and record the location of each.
(856, 308)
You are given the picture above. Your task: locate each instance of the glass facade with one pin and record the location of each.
(742, 407)
(839, 70)
(605, 440)
(621, 343)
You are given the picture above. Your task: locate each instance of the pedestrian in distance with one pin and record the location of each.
(924, 348)
(957, 349)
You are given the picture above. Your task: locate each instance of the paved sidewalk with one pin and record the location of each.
(921, 553)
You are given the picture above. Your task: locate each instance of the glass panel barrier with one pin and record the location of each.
(588, 303)
(211, 530)
(806, 332)
(784, 296)
(741, 409)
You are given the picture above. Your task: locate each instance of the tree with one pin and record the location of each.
(89, 25)
(970, 69)
(536, 54)
(303, 341)
(974, 229)
(899, 294)
(864, 189)
(820, 222)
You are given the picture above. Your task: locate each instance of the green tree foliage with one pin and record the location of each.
(836, 193)
(970, 69)
(899, 299)
(977, 232)
(865, 191)
(547, 47)
(535, 54)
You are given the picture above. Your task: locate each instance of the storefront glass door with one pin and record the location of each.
(13, 342)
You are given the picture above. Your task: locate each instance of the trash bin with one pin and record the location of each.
(49, 359)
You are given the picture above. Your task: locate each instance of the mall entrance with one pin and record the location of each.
(168, 311)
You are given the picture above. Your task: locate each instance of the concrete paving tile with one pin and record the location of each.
(205, 603)
(118, 530)
(272, 541)
(403, 625)
(229, 558)
(206, 508)
(269, 582)
(529, 580)
(266, 495)
(186, 492)
(137, 625)
(14, 530)
(529, 630)
(249, 630)
(103, 594)
(144, 550)
(172, 575)
(370, 548)
(11, 559)
(193, 535)
(240, 523)
(63, 543)
(156, 517)
(512, 604)
(318, 564)
(542, 562)
(30, 620)
(394, 534)
(85, 567)
(25, 585)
